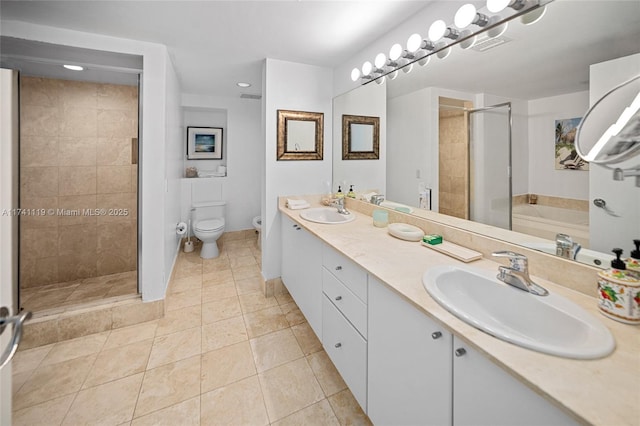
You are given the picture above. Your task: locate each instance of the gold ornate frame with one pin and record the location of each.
(284, 151)
(347, 151)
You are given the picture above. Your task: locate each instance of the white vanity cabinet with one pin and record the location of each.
(302, 271)
(485, 394)
(409, 363)
(344, 320)
(420, 374)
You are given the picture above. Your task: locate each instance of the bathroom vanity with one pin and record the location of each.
(409, 361)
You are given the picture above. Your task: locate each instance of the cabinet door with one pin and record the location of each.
(485, 394)
(409, 377)
(302, 271)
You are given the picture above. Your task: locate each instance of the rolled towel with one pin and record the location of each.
(297, 204)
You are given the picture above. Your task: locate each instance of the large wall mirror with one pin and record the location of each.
(513, 97)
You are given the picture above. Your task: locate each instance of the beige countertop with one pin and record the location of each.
(600, 392)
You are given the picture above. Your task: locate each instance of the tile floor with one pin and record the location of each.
(63, 295)
(222, 355)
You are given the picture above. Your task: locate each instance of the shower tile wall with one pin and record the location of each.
(453, 164)
(76, 154)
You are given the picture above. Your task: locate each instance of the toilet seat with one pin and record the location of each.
(210, 225)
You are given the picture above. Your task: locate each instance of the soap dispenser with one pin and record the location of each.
(339, 194)
(633, 262)
(619, 292)
(351, 194)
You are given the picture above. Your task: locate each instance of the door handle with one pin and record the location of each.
(18, 322)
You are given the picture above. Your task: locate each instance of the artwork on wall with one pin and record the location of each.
(360, 137)
(566, 156)
(204, 143)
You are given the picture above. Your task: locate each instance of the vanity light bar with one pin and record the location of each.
(442, 37)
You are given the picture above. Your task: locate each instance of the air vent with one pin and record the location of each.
(486, 43)
(248, 96)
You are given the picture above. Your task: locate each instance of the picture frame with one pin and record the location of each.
(360, 137)
(300, 135)
(566, 157)
(204, 143)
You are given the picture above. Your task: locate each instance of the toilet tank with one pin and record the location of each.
(207, 210)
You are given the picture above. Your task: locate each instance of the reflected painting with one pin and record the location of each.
(566, 156)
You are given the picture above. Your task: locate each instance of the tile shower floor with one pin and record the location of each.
(62, 295)
(222, 355)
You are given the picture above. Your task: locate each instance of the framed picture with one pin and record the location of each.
(360, 137)
(565, 152)
(204, 143)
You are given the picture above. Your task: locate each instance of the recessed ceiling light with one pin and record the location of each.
(74, 67)
(244, 84)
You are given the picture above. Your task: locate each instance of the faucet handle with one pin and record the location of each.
(518, 261)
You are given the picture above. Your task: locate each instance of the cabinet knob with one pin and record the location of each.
(338, 345)
(460, 352)
(436, 335)
(339, 298)
(338, 268)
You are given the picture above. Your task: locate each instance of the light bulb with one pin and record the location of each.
(469, 42)
(499, 30)
(424, 61)
(496, 6)
(380, 60)
(355, 74)
(393, 75)
(465, 16)
(533, 16)
(414, 42)
(407, 69)
(437, 30)
(367, 68)
(380, 80)
(396, 52)
(442, 53)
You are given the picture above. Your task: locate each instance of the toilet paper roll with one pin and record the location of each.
(181, 228)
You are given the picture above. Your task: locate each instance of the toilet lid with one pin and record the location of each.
(210, 225)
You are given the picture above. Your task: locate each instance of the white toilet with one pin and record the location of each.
(208, 226)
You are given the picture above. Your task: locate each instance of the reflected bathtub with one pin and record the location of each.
(547, 221)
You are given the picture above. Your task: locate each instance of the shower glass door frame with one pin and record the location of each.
(472, 159)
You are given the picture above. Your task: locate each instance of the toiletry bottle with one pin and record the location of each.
(619, 292)
(633, 262)
(351, 194)
(339, 194)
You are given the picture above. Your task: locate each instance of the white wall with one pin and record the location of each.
(243, 153)
(297, 87)
(623, 197)
(543, 177)
(154, 226)
(365, 175)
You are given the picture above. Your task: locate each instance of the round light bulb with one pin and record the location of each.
(414, 42)
(437, 30)
(533, 16)
(407, 69)
(496, 6)
(424, 61)
(496, 31)
(380, 60)
(393, 75)
(443, 54)
(465, 16)
(469, 42)
(367, 68)
(355, 74)
(396, 52)
(380, 80)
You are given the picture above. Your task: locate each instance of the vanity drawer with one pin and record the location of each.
(347, 349)
(351, 307)
(351, 275)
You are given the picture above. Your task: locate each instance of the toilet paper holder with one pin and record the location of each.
(181, 228)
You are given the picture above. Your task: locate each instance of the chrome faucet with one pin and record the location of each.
(339, 204)
(517, 274)
(566, 247)
(377, 199)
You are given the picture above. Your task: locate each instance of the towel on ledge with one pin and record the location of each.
(297, 204)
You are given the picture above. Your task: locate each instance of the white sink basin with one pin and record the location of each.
(328, 215)
(549, 324)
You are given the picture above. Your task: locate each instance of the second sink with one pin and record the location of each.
(327, 215)
(549, 324)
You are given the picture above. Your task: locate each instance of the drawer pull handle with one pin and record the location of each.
(436, 335)
(338, 345)
(338, 268)
(460, 352)
(339, 298)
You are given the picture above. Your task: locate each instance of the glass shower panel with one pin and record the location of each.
(490, 165)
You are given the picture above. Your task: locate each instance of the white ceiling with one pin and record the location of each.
(215, 44)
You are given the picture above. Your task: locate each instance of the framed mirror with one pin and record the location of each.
(360, 137)
(300, 135)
